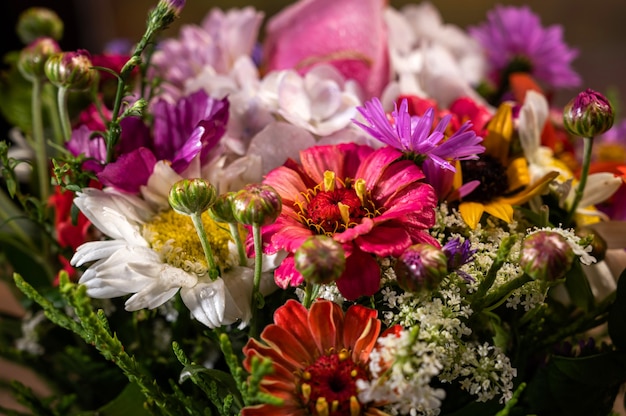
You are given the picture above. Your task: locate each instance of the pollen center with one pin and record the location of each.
(329, 385)
(174, 237)
(491, 174)
(335, 209)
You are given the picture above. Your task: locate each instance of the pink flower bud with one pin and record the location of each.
(256, 204)
(588, 114)
(71, 70)
(546, 255)
(33, 58)
(320, 259)
(421, 267)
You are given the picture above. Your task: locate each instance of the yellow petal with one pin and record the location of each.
(500, 131)
(517, 174)
(536, 189)
(500, 210)
(471, 213)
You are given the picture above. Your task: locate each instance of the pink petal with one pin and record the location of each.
(394, 178)
(372, 167)
(350, 234)
(361, 277)
(385, 240)
(286, 274)
(332, 31)
(286, 182)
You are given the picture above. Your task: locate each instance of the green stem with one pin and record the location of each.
(53, 109)
(208, 253)
(41, 155)
(64, 114)
(258, 266)
(234, 232)
(480, 296)
(9, 214)
(310, 292)
(580, 189)
(501, 293)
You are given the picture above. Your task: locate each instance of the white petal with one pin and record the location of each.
(206, 301)
(95, 250)
(600, 279)
(532, 118)
(159, 184)
(599, 187)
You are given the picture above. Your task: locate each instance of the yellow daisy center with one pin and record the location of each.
(174, 237)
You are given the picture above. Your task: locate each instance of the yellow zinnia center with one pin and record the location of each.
(174, 237)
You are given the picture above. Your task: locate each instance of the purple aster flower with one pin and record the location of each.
(415, 136)
(182, 131)
(458, 254)
(514, 36)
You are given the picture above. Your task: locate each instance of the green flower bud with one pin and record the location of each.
(33, 58)
(38, 22)
(222, 209)
(192, 196)
(320, 259)
(588, 114)
(421, 267)
(256, 204)
(546, 255)
(71, 70)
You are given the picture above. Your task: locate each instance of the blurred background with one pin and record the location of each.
(596, 28)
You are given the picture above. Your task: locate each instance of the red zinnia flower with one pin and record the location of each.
(370, 201)
(317, 355)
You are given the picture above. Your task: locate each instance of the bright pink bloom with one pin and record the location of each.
(349, 34)
(369, 200)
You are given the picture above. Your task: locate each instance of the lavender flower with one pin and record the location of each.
(458, 254)
(513, 36)
(416, 137)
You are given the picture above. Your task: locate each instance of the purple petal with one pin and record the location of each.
(130, 171)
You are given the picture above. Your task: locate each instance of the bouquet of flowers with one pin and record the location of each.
(365, 211)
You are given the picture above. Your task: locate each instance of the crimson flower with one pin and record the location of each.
(371, 201)
(317, 355)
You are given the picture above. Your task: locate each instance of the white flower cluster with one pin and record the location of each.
(406, 385)
(484, 370)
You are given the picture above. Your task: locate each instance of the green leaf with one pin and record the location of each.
(617, 315)
(578, 287)
(129, 402)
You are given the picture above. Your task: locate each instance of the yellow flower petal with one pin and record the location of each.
(500, 131)
(536, 189)
(471, 213)
(500, 210)
(517, 174)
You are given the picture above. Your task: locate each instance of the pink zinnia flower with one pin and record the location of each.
(369, 200)
(514, 35)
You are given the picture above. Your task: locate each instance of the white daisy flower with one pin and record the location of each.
(154, 252)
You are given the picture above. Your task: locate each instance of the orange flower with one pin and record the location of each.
(318, 355)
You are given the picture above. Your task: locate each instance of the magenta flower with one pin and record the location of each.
(182, 131)
(370, 201)
(513, 36)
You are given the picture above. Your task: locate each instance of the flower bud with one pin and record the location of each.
(421, 267)
(546, 255)
(71, 70)
(597, 243)
(320, 259)
(175, 6)
(37, 22)
(256, 204)
(33, 57)
(588, 115)
(222, 209)
(191, 196)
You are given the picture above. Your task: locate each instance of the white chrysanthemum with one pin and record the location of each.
(431, 58)
(321, 101)
(154, 252)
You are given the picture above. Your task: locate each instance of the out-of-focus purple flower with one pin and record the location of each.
(415, 136)
(514, 36)
(190, 127)
(458, 254)
(181, 132)
(84, 141)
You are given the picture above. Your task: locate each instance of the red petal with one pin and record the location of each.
(361, 277)
(385, 240)
(295, 317)
(326, 323)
